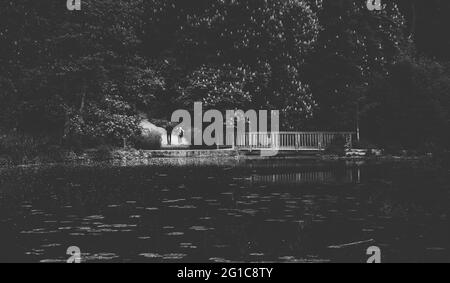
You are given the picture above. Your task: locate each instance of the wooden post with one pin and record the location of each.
(350, 141)
(320, 140)
(357, 121)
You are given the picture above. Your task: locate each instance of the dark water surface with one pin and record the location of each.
(259, 211)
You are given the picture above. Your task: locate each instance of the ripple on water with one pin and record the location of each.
(223, 246)
(172, 256)
(52, 245)
(292, 259)
(219, 260)
(175, 234)
(124, 225)
(144, 238)
(183, 206)
(37, 212)
(173, 200)
(53, 260)
(200, 228)
(436, 249)
(84, 228)
(113, 205)
(94, 217)
(257, 254)
(35, 252)
(275, 220)
(187, 246)
(65, 228)
(99, 256)
(103, 230)
(251, 212)
(38, 231)
(77, 234)
(234, 214)
(151, 255)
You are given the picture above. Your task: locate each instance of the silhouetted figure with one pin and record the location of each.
(180, 136)
(169, 130)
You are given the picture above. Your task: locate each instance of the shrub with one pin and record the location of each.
(54, 153)
(148, 140)
(363, 144)
(4, 161)
(22, 147)
(394, 149)
(337, 146)
(104, 152)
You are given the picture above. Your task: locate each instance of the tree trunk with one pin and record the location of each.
(412, 32)
(83, 98)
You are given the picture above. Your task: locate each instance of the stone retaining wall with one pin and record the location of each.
(155, 157)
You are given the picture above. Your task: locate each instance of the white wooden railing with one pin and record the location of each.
(291, 140)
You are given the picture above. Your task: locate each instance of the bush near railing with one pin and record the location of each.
(104, 152)
(149, 140)
(19, 148)
(337, 146)
(363, 144)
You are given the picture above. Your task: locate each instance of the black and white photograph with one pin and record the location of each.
(228, 137)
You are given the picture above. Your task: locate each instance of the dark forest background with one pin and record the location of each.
(81, 78)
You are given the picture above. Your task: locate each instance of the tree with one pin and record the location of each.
(253, 51)
(411, 108)
(428, 23)
(353, 45)
(79, 74)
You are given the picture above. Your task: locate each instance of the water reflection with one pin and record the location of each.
(259, 212)
(310, 177)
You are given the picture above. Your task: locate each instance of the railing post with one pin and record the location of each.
(320, 140)
(350, 141)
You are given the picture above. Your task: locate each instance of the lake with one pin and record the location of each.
(253, 211)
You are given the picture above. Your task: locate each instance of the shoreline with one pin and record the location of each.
(223, 157)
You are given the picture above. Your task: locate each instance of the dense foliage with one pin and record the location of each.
(77, 76)
(410, 108)
(355, 44)
(82, 77)
(237, 53)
